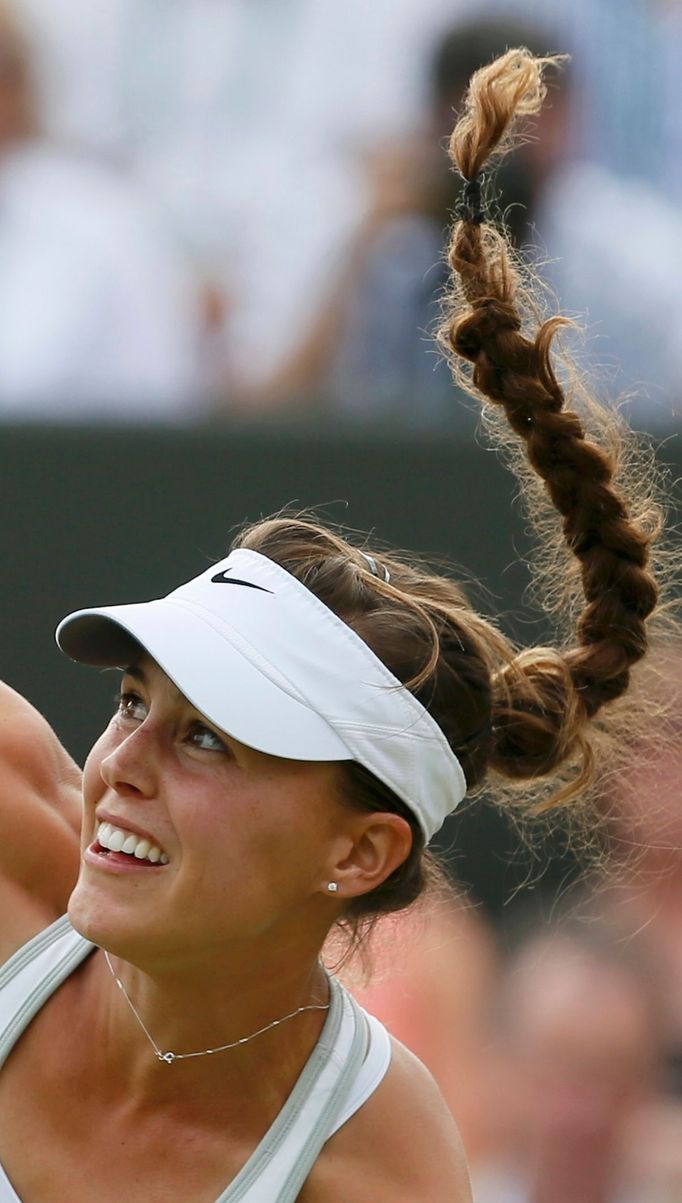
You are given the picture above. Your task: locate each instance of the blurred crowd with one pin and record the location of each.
(556, 1038)
(212, 208)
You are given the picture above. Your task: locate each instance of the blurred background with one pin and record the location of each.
(221, 236)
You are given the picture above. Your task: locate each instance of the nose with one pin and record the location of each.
(130, 769)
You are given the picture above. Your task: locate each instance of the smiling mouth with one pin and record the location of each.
(119, 843)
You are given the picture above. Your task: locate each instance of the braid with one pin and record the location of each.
(525, 716)
(544, 697)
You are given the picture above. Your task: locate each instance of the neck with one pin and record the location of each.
(183, 1011)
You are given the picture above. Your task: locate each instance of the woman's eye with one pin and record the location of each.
(130, 705)
(206, 739)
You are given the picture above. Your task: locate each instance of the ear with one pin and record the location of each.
(381, 842)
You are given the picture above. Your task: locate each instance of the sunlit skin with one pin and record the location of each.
(217, 943)
(242, 905)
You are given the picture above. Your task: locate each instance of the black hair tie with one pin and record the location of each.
(470, 207)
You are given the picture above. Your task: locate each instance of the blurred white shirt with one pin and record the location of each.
(97, 315)
(493, 1183)
(616, 249)
(248, 120)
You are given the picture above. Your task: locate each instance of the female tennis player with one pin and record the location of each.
(293, 726)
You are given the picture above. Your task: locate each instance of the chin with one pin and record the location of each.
(125, 925)
(88, 912)
(102, 919)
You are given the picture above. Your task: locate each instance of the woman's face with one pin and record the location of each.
(248, 838)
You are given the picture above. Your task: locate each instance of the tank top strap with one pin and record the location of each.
(280, 1165)
(29, 977)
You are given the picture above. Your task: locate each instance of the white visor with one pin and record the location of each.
(265, 661)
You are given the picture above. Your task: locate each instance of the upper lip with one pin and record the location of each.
(104, 816)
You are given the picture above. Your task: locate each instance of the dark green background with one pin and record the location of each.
(96, 515)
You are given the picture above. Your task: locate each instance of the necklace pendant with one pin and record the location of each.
(169, 1058)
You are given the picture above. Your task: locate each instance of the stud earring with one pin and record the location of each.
(332, 886)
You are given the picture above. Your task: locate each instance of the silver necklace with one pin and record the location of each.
(169, 1057)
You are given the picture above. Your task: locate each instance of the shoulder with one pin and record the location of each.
(401, 1145)
(39, 822)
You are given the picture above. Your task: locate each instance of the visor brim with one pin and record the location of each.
(216, 677)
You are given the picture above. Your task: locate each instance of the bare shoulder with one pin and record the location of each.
(39, 821)
(402, 1145)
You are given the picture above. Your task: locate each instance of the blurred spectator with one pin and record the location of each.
(272, 207)
(247, 120)
(627, 86)
(616, 262)
(79, 55)
(96, 65)
(97, 315)
(642, 897)
(293, 148)
(370, 351)
(589, 1012)
(432, 971)
(579, 1049)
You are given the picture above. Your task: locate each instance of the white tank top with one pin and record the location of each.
(347, 1064)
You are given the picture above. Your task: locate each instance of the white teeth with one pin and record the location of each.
(117, 839)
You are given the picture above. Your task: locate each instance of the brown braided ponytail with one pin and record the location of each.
(532, 718)
(544, 698)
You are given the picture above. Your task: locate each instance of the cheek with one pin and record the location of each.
(298, 826)
(262, 835)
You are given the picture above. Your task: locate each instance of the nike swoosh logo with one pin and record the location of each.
(222, 579)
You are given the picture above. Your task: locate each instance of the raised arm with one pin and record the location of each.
(39, 822)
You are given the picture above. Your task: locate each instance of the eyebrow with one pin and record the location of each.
(135, 671)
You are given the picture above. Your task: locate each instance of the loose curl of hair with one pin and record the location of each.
(529, 720)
